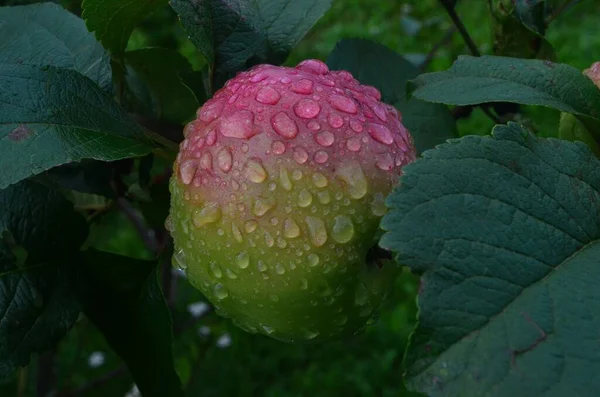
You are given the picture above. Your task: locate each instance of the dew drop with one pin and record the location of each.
(380, 133)
(285, 80)
(313, 125)
(220, 291)
(231, 274)
(258, 77)
(187, 170)
(281, 243)
(284, 125)
(384, 162)
(179, 259)
(353, 144)
(210, 213)
(211, 137)
(313, 260)
(361, 295)
(239, 125)
(300, 155)
(290, 228)
(224, 159)
(303, 86)
(352, 173)
(284, 179)
(307, 108)
(343, 229)
(254, 171)
(308, 334)
(319, 179)
(321, 156)
(269, 240)
(335, 120)
(216, 270)
(316, 230)
(343, 104)
(297, 175)
(206, 161)
(242, 260)
(268, 96)
(279, 269)
(236, 232)
(313, 66)
(378, 206)
(304, 198)
(261, 266)
(210, 111)
(274, 298)
(341, 320)
(372, 92)
(303, 284)
(325, 138)
(262, 205)
(278, 147)
(169, 223)
(356, 126)
(379, 111)
(324, 197)
(250, 226)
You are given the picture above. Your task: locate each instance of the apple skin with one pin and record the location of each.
(276, 198)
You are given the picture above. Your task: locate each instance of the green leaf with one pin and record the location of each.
(506, 230)
(122, 297)
(51, 116)
(374, 64)
(46, 34)
(114, 20)
(161, 70)
(37, 271)
(471, 81)
(236, 34)
(87, 176)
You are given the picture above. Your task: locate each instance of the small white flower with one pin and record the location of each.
(198, 309)
(96, 359)
(224, 341)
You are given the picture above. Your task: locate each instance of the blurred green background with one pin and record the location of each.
(215, 358)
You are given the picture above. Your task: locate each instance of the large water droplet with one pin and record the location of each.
(254, 171)
(206, 161)
(279, 269)
(300, 155)
(258, 77)
(303, 284)
(307, 108)
(210, 213)
(380, 133)
(210, 111)
(372, 92)
(239, 125)
(278, 147)
(335, 120)
(297, 175)
(353, 144)
(343, 104)
(290, 228)
(250, 226)
(284, 179)
(303, 86)
(378, 206)
(319, 179)
(179, 259)
(324, 197)
(231, 274)
(261, 266)
(242, 260)
(304, 198)
(313, 66)
(262, 205)
(351, 172)
(236, 232)
(284, 125)
(316, 230)
(313, 259)
(211, 137)
(268, 96)
(220, 291)
(384, 162)
(325, 138)
(224, 159)
(343, 229)
(313, 125)
(216, 269)
(187, 170)
(269, 240)
(321, 156)
(379, 111)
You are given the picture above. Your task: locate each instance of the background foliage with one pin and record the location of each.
(212, 357)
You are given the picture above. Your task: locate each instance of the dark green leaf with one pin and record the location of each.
(87, 176)
(161, 70)
(374, 64)
(114, 20)
(51, 116)
(506, 230)
(236, 34)
(46, 34)
(37, 268)
(122, 297)
(471, 81)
